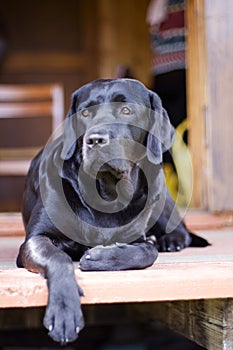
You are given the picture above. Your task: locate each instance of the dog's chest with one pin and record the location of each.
(90, 234)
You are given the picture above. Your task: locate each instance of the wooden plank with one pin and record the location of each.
(195, 220)
(207, 322)
(197, 99)
(18, 153)
(9, 249)
(163, 282)
(33, 100)
(194, 273)
(26, 110)
(11, 224)
(201, 220)
(14, 167)
(25, 92)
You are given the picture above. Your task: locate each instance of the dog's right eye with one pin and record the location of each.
(85, 113)
(126, 110)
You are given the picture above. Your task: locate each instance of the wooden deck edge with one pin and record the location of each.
(162, 282)
(11, 224)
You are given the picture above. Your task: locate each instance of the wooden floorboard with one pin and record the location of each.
(193, 273)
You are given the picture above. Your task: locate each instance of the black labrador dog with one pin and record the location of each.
(96, 194)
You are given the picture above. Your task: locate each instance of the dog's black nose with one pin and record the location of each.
(97, 139)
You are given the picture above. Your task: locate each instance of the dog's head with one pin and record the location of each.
(114, 124)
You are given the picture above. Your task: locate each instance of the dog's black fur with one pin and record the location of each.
(102, 114)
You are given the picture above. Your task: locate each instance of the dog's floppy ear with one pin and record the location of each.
(70, 132)
(161, 132)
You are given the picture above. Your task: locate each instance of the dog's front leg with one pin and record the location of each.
(63, 317)
(119, 256)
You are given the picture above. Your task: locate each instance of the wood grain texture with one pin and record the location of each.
(44, 62)
(28, 92)
(194, 273)
(196, 98)
(165, 282)
(25, 110)
(124, 38)
(207, 322)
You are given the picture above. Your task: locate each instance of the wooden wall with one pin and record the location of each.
(70, 42)
(219, 30)
(124, 38)
(74, 41)
(48, 41)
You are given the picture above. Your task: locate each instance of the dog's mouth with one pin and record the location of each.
(115, 179)
(119, 169)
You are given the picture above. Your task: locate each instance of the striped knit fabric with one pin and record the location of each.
(168, 41)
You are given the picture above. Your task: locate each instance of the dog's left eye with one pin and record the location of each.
(126, 110)
(85, 113)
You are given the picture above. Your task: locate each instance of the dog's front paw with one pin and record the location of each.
(63, 317)
(175, 241)
(119, 256)
(100, 258)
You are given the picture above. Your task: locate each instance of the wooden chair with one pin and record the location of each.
(26, 102)
(29, 114)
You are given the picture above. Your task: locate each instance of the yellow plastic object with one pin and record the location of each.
(180, 180)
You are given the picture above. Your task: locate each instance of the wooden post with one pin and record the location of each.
(210, 102)
(196, 98)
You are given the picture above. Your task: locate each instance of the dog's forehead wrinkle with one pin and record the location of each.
(115, 90)
(118, 97)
